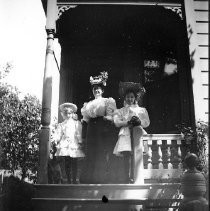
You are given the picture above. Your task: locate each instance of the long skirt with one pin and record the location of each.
(101, 164)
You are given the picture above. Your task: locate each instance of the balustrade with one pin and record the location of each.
(164, 151)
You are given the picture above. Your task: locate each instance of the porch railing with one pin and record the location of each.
(164, 151)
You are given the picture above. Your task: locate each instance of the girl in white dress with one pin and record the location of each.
(130, 116)
(69, 139)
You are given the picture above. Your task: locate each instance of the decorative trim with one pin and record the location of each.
(63, 8)
(177, 10)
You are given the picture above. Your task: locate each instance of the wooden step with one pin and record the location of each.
(78, 204)
(120, 197)
(111, 191)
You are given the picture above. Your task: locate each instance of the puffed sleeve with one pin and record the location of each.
(84, 113)
(110, 108)
(118, 119)
(144, 117)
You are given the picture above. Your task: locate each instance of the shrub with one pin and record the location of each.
(196, 141)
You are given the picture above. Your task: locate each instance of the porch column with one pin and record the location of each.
(44, 136)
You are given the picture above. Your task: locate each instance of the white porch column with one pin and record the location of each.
(44, 136)
(198, 93)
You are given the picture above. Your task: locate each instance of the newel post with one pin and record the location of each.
(44, 136)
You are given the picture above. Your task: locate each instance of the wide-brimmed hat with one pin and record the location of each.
(131, 86)
(68, 105)
(100, 79)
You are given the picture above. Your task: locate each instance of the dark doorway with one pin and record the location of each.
(132, 43)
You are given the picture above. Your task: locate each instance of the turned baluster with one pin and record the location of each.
(160, 160)
(179, 154)
(170, 166)
(149, 165)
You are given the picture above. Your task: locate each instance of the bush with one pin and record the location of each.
(196, 141)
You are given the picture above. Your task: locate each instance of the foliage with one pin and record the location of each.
(19, 124)
(196, 141)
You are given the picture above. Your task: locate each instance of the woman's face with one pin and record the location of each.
(97, 91)
(130, 98)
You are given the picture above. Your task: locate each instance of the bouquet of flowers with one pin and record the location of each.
(135, 121)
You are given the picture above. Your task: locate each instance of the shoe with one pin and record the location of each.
(130, 181)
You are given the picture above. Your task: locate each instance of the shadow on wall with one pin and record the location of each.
(192, 53)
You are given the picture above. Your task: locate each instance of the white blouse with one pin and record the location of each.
(123, 115)
(99, 107)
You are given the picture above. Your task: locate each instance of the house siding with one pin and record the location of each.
(197, 21)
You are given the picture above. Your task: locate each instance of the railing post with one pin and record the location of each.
(149, 165)
(160, 160)
(179, 154)
(170, 166)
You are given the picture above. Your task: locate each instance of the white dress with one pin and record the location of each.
(68, 137)
(122, 116)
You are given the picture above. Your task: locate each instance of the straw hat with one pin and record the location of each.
(68, 105)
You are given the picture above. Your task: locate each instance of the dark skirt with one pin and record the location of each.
(101, 163)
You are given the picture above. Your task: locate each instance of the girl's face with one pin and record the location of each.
(67, 113)
(130, 98)
(97, 91)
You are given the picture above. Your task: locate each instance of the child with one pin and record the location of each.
(69, 140)
(131, 119)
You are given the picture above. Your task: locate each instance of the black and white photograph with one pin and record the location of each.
(104, 105)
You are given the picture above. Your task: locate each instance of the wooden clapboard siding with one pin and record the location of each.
(203, 52)
(201, 15)
(203, 39)
(201, 9)
(204, 65)
(201, 5)
(202, 27)
(204, 76)
(205, 93)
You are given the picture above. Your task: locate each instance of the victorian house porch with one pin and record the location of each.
(139, 41)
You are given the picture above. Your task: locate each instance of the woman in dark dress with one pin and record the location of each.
(100, 135)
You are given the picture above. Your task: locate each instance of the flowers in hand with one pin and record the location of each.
(135, 121)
